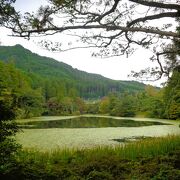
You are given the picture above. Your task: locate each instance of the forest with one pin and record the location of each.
(33, 92)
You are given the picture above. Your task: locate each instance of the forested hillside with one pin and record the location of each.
(36, 85)
(59, 78)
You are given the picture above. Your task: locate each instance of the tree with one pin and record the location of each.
(8, 127)
(172, 96)
(123, 106)
(80, 105)
(30, 102)
(115, 27)
(151, 102)
(7, 11)
(167, 59)
(104, 105)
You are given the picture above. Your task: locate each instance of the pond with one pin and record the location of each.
(47, 133)
(88, 122)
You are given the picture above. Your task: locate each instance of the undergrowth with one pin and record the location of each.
(156, 158)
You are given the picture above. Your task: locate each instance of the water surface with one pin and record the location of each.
(47, 133)
(88, 122)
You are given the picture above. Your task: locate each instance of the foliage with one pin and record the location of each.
(59, 80)
(30, 103)
(114, 27)
(152, 158)
(93, 108)
(8, 127)
(153, 102)
(104, 105)
(49, 87)
(65, 106)
(17, 97)
(172, 96)
(6, 11)
(56, 86)
(125, 107)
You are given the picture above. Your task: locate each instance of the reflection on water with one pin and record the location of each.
(88, 122)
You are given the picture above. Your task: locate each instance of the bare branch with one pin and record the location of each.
(152, 17)
(110, 11)
(25, 33)
(157, 4)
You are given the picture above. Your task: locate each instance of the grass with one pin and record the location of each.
(143, 148)
(155, 158)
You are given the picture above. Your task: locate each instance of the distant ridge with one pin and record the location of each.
(40, 68)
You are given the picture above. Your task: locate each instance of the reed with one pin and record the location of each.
(154, 158)
(139, 149)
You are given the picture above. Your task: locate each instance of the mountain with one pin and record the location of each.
(51, 74)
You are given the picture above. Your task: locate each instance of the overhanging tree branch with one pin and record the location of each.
(26, 33)
(115, 27)
(157, 4)
(153, 17)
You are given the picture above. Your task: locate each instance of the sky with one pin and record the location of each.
(116, 68)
